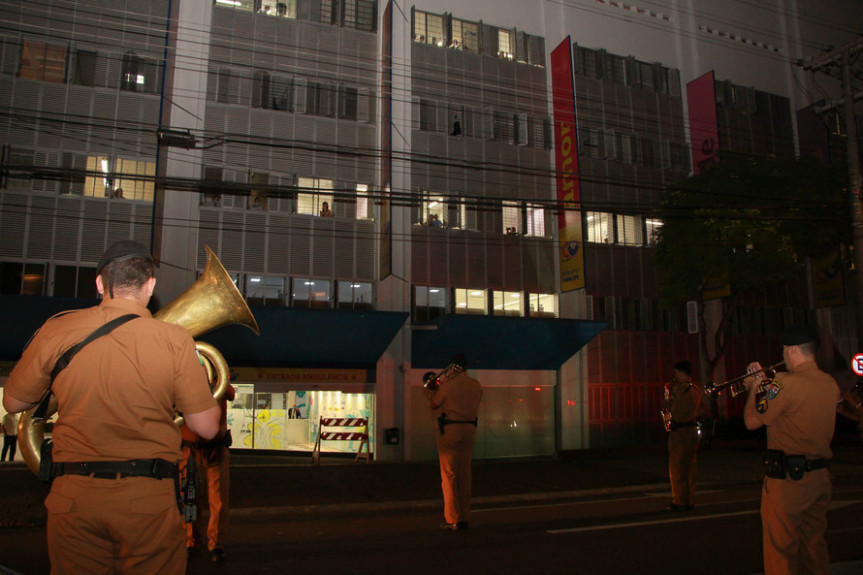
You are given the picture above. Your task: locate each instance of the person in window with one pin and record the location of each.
(325, 210)
(435, 222)
(456, 126)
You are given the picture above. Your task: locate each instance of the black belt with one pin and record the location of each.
(156, 468)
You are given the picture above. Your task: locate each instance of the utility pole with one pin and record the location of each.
(837, 63)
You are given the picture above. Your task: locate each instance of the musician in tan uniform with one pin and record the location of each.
(457, 398)
(799, 409)
(212, 460)
(683, 402)
(113, 506)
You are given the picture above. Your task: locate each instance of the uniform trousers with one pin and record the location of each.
(682, 454)
(455, 449)
(213, 465)
(128, 526)
(10, 444)
(794, 521)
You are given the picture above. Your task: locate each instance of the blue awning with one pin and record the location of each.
(309, 338)
(290, 337)
(500, 342)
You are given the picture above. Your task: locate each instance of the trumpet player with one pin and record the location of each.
(456, 395)
(682, 402)
(113, 505)
(798, 409)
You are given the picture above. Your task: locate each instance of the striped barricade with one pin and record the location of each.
(345, 432)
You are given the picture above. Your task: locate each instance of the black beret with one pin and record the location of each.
(123, 250)
(799, 334)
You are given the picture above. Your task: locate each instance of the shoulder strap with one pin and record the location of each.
(64, 360)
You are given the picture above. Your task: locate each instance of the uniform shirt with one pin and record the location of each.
(799, 410)
(10, 424)
(458, 397)
(117, 398)
(685, 402)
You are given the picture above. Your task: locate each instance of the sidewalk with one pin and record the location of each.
(276, 483)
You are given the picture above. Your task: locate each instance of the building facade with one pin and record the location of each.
(380, 181)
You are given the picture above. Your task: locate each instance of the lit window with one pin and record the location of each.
(42, 62)
(119, 178)
(312, 195)
(535, 221)
(428, 28)
(465, 36)
(265, 291)
(542, 305)
(507, 303)
(504, 44)
(363, 212)
(652, 227)
(598, 226)
(432, 211)
(258, 197)
(354, 295)
(629, 232)
(429, 302)
(310, 293)
(470, 301)
(511, 218)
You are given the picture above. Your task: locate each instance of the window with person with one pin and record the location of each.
(311, 293)
(542, 305)
(428, 28)
(354, 295)
(119, 178)
(511, 216)
(429, 302)
(311, 195)
(470, 301)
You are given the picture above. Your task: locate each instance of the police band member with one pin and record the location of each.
(683, 402)
(457, 398)
(799, 410)
(113, 506)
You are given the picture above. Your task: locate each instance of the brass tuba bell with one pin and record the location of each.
(212, 301)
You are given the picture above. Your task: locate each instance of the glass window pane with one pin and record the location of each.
(34, 279)
(311, 293)
(542, 305)
(470, 302)
(508, 303)
(511, 218)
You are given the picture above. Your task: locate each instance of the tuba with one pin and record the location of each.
(212, 301)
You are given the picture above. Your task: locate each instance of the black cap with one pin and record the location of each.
(799, 335)
(459, 359)
(684, 367)
(123, 250)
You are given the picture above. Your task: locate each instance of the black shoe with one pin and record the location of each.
(217, 555)
(449, 526)
(675, 507)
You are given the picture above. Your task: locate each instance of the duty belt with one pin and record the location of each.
(156, 468)
(442, 422)
(779, 465)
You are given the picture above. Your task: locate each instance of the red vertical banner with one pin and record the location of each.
(703, 125)
(571, 242)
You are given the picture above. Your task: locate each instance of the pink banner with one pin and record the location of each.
(703, 126)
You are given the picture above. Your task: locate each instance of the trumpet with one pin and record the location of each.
(432, 381)
(735, 386)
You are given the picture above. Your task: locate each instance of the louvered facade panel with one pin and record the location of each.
(278, 244)
(547, 265)
(237, 121)
(255, 242)
(323, 246)
(119, 221)
(208, 234)
(512, 265)
(304, 134)
(142, 224)
(67, 234)
(343, 249)
(40, 226)
(530, 265)
(476, 261)
(495, 263)
(93, 241)
(419, 258)
(457, 259)
(232, 239)
(438, 265)
(624, 359)
(366, 245)
(301, 246)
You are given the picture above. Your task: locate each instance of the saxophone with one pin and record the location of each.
(664, 411)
